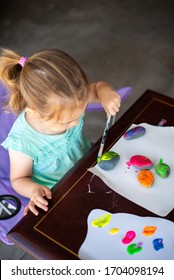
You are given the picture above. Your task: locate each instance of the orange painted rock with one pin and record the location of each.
(146, 178)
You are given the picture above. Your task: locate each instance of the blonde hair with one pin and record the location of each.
(48, 77)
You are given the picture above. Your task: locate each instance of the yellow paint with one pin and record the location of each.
(113, 230)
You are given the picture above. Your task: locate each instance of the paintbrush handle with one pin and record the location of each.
(104, 136)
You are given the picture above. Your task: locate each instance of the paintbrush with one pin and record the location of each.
(109, 122)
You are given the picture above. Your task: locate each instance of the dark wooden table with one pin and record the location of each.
(59, 233)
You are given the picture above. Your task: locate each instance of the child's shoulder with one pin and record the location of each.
(19, 123)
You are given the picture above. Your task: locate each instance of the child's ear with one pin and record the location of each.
(32, 112)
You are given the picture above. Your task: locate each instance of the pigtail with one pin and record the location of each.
(10, 72)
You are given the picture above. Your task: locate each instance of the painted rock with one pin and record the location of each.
(163, 169)
(134, 132)
(108, 160)
(146, 178)
(141, 162)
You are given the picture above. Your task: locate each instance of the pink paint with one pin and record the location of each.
(130, 235)
(162, 122)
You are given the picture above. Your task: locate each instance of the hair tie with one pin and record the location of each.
(22, 61)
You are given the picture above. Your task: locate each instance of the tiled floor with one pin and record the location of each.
(123, 42)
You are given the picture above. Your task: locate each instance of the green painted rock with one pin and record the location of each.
(108, 160)
(163, 169)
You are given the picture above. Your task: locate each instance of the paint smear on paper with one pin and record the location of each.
(133, 249)
(113, 231)
(158, 244)
(149, 230)
(102, 221)
(130, 235)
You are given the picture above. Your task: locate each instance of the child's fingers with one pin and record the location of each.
(112, 109)
(31, 207)
(47, 193)
(41, 200)
(112, 106)
(26, 209)
(41, 205)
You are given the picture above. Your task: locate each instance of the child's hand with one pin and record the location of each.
(105, 94)
(110, 100)
(37, 199)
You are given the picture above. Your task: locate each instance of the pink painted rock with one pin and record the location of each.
(141, 162)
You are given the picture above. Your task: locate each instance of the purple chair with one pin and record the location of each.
(6, 122)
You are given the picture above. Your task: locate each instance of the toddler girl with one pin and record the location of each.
(49, 91)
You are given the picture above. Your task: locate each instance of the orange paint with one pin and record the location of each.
(149, 230)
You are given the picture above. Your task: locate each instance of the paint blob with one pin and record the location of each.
(133, 249)
(113, 230)
(158, 244)
(149, 230)
(102, 221)
(130, 235)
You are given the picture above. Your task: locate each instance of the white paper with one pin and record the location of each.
(156, 143)
(100, 245)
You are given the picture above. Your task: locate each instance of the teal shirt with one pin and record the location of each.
(53, 155)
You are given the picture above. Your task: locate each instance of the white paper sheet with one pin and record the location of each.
(99, 244)
(156, 143)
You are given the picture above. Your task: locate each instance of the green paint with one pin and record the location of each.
(108, 156)
(133, 249)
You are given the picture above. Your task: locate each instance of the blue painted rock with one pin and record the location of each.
(134, 132)
(141, 162)
(108, 160)
(163, 169)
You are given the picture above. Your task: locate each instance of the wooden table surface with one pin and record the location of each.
(59, 233)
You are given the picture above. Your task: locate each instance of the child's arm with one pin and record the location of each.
(105, 94)
(20, 176)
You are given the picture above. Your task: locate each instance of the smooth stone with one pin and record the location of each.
(134, 133)
(141, 162)
(108, 160)
(163, 169)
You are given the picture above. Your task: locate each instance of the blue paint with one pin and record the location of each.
(158, 244)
